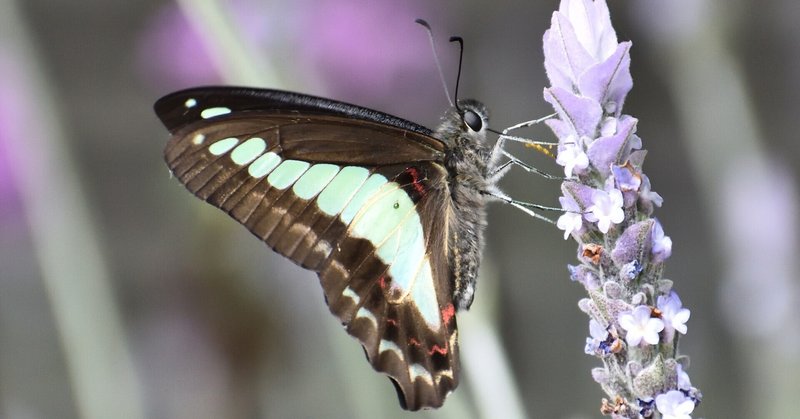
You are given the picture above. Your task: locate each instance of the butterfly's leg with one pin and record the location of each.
(529, 123)
(524, 206)
(498, 146)
(496, 153)
(501, 170)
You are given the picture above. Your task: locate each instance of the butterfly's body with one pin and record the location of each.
(389, 214)
(468, 161)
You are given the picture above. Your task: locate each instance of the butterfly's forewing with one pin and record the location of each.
(358, 198)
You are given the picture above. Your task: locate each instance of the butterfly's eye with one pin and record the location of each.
(473, 121)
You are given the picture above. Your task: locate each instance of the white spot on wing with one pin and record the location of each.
(212, 112)
(349, 293)
(363, 313)
(387, 345)
(198, 139)
(324, 248)
(418, 371)
(190, 103)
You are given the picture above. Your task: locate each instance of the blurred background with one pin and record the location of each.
(122, 295)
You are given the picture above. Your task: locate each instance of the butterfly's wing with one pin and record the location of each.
(360, 199)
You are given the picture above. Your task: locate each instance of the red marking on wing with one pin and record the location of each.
(382, 282)
(416, 182)
(436, 348)
(448, 313)
(439, 350)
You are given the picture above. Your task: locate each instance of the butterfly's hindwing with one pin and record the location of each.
(363, 204)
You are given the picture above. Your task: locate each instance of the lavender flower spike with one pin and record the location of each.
(636, 317)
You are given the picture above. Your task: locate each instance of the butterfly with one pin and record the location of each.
(388, 213)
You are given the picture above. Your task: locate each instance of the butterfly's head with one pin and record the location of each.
(465, 124)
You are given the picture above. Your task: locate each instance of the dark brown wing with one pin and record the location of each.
(362, 203)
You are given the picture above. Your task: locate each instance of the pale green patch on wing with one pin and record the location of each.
(212, 112)
(403, 251)
(314, 180)
(341, 189)
(248, 151)
(382, 214)
(389, 220)
(369, 188)
(424, 295)
(287, 173)
(263, 165)
(223, 146)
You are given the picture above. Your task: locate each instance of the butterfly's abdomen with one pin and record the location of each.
(466, 242)
(467, 180)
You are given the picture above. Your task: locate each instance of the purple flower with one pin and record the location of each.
(639, 326)
(674, 405)
(580, 36)
(616, 147)
(646, 407)
(662, 245)
(572, 220)
(606, 209)
(683, 378)
(577, 115)
(626, 178)
(673, 314)
(647, 198)
(620, 267)
(583, 275)
(598, 334)
(630, 270)
(573, 158)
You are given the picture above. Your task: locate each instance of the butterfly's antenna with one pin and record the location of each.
(460, 59)
(436, 58)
